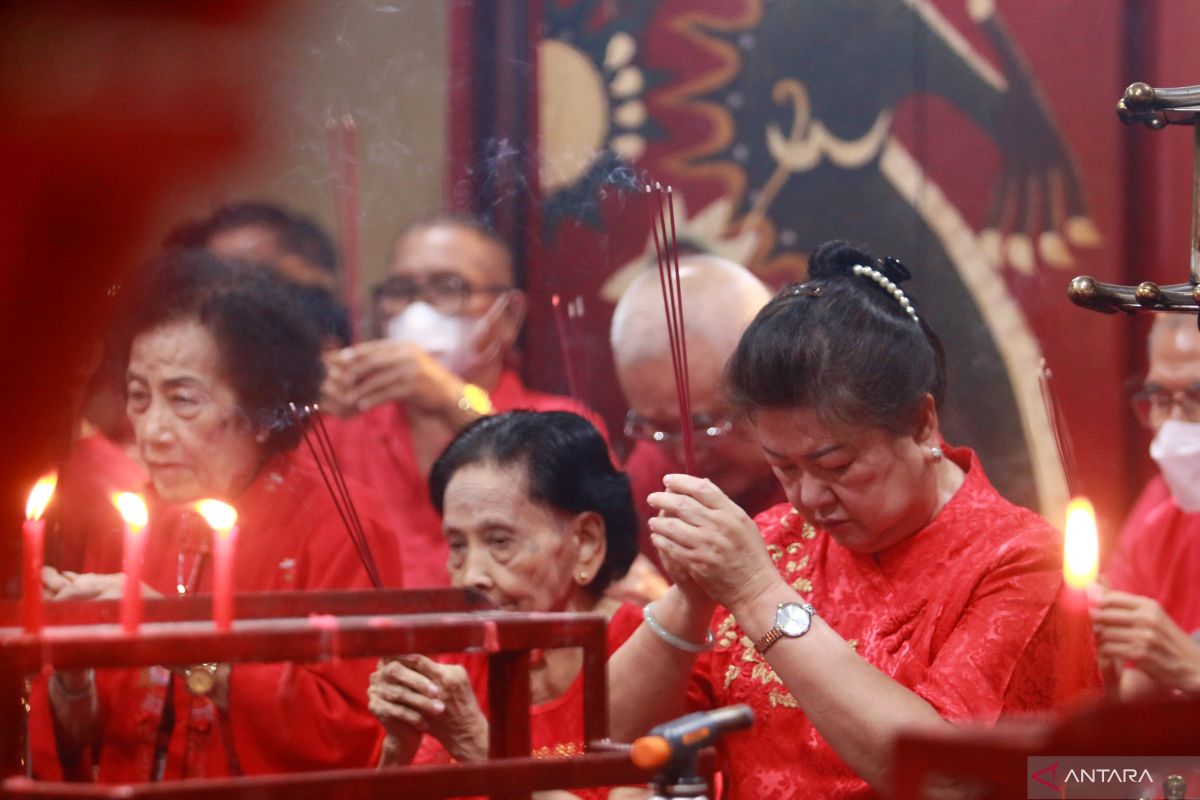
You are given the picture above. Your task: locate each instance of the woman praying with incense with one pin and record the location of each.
(896, 588)
(214, 356)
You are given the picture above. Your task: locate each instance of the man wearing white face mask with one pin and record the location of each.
(450, 315)
(1148, 624)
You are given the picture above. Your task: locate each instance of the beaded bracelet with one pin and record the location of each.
(673, 640)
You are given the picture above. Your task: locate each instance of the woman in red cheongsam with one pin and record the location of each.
(896, 588)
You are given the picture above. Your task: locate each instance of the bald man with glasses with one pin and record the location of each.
(719, 300)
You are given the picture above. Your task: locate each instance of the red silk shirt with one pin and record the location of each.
(1158, 555)
(375, 447)
(282, 717)
(966, 613)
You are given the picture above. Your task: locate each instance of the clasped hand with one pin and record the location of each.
(709, 543)
(1132, 628)
(412, 694)
(365, 375)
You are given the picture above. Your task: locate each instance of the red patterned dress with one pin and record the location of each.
(965, 613)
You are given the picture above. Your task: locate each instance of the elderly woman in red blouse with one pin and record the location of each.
(213, 353)
(895, 589)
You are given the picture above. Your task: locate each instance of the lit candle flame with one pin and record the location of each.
(39, 498)
(220, 516)
(1081, 545)
(132, 508)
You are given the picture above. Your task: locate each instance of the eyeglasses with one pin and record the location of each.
(704, 425)
(1154, 405)
(445, 291)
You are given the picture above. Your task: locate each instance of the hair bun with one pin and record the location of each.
(836, 259)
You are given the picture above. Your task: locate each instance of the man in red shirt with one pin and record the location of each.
(1148, 622)
(719, 300)
(450, 314)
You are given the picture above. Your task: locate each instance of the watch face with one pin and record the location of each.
(793, 619)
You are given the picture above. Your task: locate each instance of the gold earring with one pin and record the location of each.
(583, 578)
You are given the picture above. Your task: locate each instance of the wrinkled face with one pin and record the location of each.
(868, 487)
(520, 553)
(733, 461)
(192, 436)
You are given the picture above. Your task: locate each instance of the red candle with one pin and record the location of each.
(133, 511)
(34, 532)
(1081, 563)
(222, 518)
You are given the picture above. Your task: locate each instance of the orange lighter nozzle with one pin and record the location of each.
(650, 752)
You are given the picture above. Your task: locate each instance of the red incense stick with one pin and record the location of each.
(667, 249)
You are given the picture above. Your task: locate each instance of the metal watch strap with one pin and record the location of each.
(768, 639)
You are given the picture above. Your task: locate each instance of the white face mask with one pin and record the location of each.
(451, 339)
(1176, 449)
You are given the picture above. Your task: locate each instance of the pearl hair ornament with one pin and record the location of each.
(889, 287)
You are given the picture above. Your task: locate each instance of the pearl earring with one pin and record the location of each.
(583, 578)
(935, 454)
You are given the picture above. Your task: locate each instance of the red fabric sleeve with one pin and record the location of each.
(1128, 568)
(288, 717)
(1012, 611)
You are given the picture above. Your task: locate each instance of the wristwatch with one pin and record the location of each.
(791, 620)
(200, 678)
(474, 400)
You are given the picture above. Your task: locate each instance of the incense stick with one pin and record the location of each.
(686, 383)
(1062, 437)
(335, 482)
(564, 344)
(666, 247)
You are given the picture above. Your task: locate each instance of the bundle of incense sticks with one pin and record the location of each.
(342, 140)
(565, 338)
(667, 248)
(308, 418)
(1062, 437)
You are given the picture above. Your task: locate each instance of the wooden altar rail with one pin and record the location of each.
(505, 637)
(261, 605)
(516, 775)
(995, 758)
